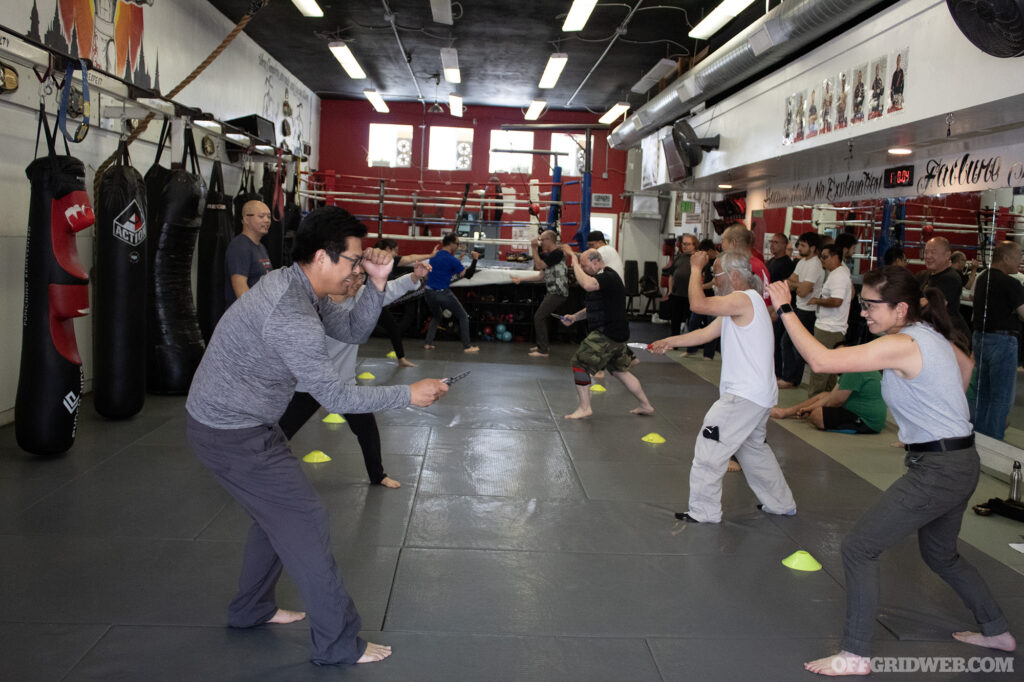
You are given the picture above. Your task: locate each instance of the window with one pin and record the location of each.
(390, 146)
(504, 162)
(450, 148)
(571, 145)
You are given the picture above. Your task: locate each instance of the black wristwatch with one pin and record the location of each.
(785, 308)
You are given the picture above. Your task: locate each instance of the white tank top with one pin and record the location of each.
(748, 356)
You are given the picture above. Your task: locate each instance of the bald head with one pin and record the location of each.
(737, 236)
(591, 261)
(1006, 257)
(255, 219)
(548, 241)
(936, 254)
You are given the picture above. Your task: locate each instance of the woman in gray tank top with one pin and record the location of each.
(924, 376)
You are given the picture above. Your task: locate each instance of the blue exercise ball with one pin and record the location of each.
(500, 328)
(506, 336)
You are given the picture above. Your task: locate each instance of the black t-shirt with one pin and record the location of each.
(553, 257)
(606, 307)
(680, 271)
(780, 268)
(948, 282)
(996, 302)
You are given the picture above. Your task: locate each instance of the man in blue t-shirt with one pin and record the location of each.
(443, 267)
(246, 259)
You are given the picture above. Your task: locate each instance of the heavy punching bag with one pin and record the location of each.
(246, 192)
(214, 236)
(119, 298)
(274, 239)
(56, 291)
(174, 342)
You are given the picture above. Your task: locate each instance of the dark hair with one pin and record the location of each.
(385, 243)
(893, 254)
(898, 285)
(449, 239)
(327, 228)
(707, 245)
(811, 239)
(832, 247)
(845, 241)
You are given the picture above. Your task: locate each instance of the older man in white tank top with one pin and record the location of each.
(735, 424)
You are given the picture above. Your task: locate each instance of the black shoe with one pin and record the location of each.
(683, 516)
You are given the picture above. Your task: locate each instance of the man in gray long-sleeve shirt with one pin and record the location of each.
(267, 342)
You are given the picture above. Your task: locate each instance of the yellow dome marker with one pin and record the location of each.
(393, 355)
(333, 418)
(597, 388)
(653, 438)
(316, 457)
(366, 376)
(801, 561)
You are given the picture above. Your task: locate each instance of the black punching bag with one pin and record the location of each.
(174, 342)
(214, 236)
(56, 291)
(119, 291)
(274, 239)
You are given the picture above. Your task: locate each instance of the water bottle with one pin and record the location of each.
(1015, 483)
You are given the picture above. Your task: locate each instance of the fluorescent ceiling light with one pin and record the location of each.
(556, 62)
(450, 64)
(578, 15)
(209, 125)
(455, 105)
(241, 138)
(724, 186)
(618, 110)
(718, 17)
(662, 69)
(535, 110)
(442, 11)
(347, 60)
(900, 151)
(376, 100)
(308, 8)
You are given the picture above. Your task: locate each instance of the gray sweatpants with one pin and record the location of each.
(735, 426)
(290, 531)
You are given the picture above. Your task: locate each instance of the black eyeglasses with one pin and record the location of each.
(866, 304)
(356, 262)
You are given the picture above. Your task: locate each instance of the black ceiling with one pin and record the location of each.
(503, 46)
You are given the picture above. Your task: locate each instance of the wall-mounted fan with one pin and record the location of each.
(684, 150)
(996, 27)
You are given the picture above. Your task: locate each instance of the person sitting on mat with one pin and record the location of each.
(444, 266)
(387, 320)
(855, 405)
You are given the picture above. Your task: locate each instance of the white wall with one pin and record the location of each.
(178, 36)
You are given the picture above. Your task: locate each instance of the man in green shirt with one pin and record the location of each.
(854, 406)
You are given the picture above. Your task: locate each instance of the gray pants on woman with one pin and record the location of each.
(438, 300)
(542, 318)
(930, 499)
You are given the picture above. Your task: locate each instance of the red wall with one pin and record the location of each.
(344, 138)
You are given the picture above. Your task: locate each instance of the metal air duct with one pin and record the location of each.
(769, 40)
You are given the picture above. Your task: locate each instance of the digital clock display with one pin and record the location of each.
(900, 176)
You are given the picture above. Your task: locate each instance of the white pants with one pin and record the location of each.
(735, 426)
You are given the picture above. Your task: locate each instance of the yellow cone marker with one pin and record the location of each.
(366, 376)
(597, 388)
(333, 418)
(801, 561)
(653, 438)
(392, 355)
(316, 456)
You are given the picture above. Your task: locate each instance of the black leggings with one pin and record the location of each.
(364, 426)
(390, 324)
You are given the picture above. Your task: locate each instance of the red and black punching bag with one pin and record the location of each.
(119, 291)
(214, 236)
(56, 292)
(174, 342)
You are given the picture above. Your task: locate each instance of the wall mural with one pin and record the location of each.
(864, 92)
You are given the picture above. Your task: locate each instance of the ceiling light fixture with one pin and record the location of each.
(718, 17)
(556, 62)
(376, 100)
(535, 110)
(441, 11)
(455, 105)
(618, 110)
(450, 64)
(578, 14)
(308, 8)
(662, 69)
(347, 60)
(724, 186)
(900, 151)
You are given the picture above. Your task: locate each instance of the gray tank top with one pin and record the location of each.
(932, 405)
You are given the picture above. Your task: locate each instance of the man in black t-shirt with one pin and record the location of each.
(605, 345)
(941, 275)
(998, 311)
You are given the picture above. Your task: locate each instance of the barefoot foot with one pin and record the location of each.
(374, 653)
(537, 354)
(1003, 642)
(402, 362)
(734, 466)
(471, 349)
(389, 482)
(599, 375)
(428, 346)
(646, 408)
(282, 616)
(579, 414)
(781, 383)
(843, 663)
